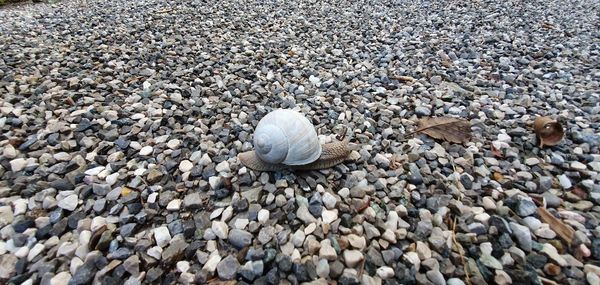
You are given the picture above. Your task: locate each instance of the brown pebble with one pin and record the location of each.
(552, 269)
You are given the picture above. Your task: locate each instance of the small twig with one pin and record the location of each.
(460, 252)
(456, 244)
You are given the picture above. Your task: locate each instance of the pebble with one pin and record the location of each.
(522, 235)
(327, 251)
(69, 202)
(329, 216)
(185, 165)
(564, 181)
(220, 229)
(352, 257)
(146, 150)
(61, 278)
(263, 216)
(173, 144)
(162, 236)
(227, 268)
(385, 272)
(322, 268)
(329, 201)
(223, 167)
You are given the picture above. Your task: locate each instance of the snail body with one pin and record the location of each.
(286, 139)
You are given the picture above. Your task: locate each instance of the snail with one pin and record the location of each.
(285, 139)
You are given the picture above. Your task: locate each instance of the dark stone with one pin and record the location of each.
(201, 277)
(521, 205)
(423, 229)
(120, 253)
(153, 274)
(436, 202)
(85, 273)
(270, 255)
(74, 219)
(192, 248)
(284, 263)
(596, 248)
(59, 228)
(221, 193)
(84, 124)
(240, 238)
(349, 279)
(52, 139)
(346, 220)
(134, 208)
(62, 185)
(128, 229)
(240, 205)
(175, 227)
(536, 260)
(466, 181)
(523, 277)
(19, 240)
(228, 267)
(374, 257)
(501, 225)
(335, 269)
(29, 142)
(122, 143)
(315, 205)
(311, 269)
(101, 189)
(44, 232)
(388, 256)
(56, 216)
(505, 241)
(189, 228)
(404, 275)
(414, 176)
(174, 252)
(273, 276)
(22, 223)
(255, 254)
(300, 272)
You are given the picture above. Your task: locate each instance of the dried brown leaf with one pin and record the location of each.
(445, 128)
(564, 231)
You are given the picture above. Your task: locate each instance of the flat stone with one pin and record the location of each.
(352, 257)
(228, 268)
(240, 238)
(147, 150)
(185, 166)
(62, 278)
(69, 203)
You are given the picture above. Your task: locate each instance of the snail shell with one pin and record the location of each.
(286, 137)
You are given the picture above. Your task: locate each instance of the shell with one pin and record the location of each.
(286, 137)
(549, 131)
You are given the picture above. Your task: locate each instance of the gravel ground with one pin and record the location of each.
(121, 122)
